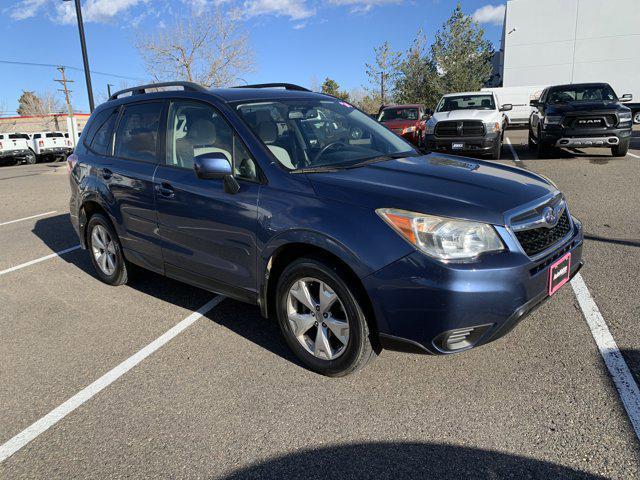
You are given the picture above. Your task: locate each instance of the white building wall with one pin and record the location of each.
(571, 41)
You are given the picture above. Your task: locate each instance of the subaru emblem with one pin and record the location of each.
(549, 216)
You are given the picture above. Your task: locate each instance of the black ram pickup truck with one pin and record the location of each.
(580, 115)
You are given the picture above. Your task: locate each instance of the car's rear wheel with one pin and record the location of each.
(321, 318)
(31, 158)
(105, 251)
(636, 116)
(621, 149)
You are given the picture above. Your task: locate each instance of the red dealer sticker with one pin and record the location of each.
(559, 273)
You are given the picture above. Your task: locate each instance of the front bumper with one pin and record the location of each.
(483, 144)
(417, 300)
(559, 136)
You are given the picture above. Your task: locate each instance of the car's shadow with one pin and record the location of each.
(405, 460)
(245, 320)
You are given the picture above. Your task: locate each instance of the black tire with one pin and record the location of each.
(542, 150)
(120, 274)
(636, 117)
(530, 142)
(359, 349)
(31, 158)
(621, 149)
(497, 151)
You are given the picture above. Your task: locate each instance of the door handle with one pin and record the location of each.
(165, 189)
(106, 173)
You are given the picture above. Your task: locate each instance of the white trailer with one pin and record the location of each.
(519, 97)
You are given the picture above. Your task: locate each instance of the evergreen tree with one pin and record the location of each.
(461, 54)
(331, 87)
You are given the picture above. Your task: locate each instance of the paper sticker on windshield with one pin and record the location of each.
(345, 104)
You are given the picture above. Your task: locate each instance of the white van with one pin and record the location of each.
(519, 97)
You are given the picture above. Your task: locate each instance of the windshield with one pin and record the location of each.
(466, 102)
(398, 114)
(16, 136)
(318, 134)
(577, 93)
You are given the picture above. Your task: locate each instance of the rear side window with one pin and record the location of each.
(101, 139)
(137, 133)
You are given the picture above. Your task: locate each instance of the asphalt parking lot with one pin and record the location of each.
(224, 398)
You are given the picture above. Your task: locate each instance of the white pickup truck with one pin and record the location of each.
(47, 145)
(468, 123)
(16, 147)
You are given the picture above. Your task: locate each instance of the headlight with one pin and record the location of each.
(409, 130)
(553, 119)
(431, 126)
(443, 238)
(493, 127)
(624, 117)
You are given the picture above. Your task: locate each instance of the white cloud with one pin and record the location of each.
(25, 9)
(358, 6)
(493, 15)
(294, 9)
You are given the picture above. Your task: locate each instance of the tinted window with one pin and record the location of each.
(37, 135)
(54, 135)
(137, 133)
(16, 136)
(101, 141)
(582, 93)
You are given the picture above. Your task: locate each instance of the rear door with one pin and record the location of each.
(129, 178)
(209, 235)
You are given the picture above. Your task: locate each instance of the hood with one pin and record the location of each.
(485, 115)
(400, 123)
(435, 184)
(588, 107)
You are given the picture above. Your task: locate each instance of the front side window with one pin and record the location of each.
(466, 102)
(137, 133)
(389, 114)
(196, 129)
(320, 133)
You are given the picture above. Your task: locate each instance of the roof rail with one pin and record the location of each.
(286, 86)
(142, 89)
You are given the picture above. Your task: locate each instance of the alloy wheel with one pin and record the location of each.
(317, 318)
(104, 250)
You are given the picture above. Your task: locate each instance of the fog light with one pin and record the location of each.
(460, 338)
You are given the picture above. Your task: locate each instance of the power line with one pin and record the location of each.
(68, 67)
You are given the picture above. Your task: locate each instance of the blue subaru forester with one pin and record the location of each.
(303, 205)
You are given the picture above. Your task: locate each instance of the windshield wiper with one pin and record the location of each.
(380, 158)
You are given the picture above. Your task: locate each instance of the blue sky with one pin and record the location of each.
(294, 41)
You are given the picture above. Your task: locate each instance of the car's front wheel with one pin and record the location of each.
(105, 251)
(621, 149)
(497, 150)
(322, 319)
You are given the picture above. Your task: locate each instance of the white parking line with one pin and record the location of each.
(633, 155)
(516, 158)
(38, 260)
(618, 369)
(28, 218)
(57, 414)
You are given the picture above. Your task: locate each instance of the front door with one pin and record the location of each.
(208, 235)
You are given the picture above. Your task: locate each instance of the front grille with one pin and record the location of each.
(538, 239)
(464, 128)
(599, 121)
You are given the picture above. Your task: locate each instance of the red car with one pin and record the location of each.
(407, 121)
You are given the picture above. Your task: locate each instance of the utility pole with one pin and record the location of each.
(63, 81)
(85, 58)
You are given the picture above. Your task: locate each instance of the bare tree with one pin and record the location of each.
(43, 103)
(383, 73)
(206, 49)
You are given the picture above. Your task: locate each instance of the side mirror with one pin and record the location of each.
(534, 103)
(429, 112)
(212, 165)
(506, 107)
(627, 97)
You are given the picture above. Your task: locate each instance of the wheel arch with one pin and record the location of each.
(289, 252)
(90, 206)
